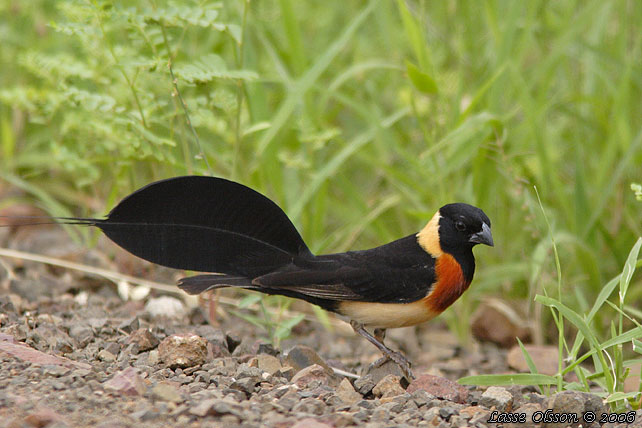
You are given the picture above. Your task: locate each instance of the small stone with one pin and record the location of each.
(288, 400)
(380, 415)
(7, 305)
(497, 397)
(268, 363)
(232, 341)
(129, 325)
(439, 387)
(313, 373)
(342, 419)
(310, 423)
(246, 385)
(566, 402)
(446, 412)
(248, 346)
(366, 404)
(544, 357)
(593, 403)
(217, 341)
(81, 373)
(498, 322)
(106, 356)
(432, 416)
(126, 382)
(144, 415)
(153, 358)
(56, 371)
(26, 353)
(244, 370)
(144, 338)
(364, 385)
(527, 409)
(216, 407)
(310, 406)
(97, 323)
(165, 306)
(82, 334)
(42, 417)
(301, 356)
(473, 413)
(286, 372)
(166, 391)
(388, 367)
(421, 397)
(389, 386)
(345, 391)
(63, 346)
(183, 350)
(112, 347)
(267, 348)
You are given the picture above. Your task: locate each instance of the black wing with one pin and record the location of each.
(398, 272)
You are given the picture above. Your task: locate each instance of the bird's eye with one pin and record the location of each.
(460, 226)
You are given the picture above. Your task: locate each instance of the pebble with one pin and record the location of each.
(144, 339)
(129, 384)
(301, 356)
(165, 306)
(439, 387)
(183, 350)
(497, 397)
(82, 334)
(106, 356)
(313, 375)
(166, 391)
(346, 393)
(389, 386)
(364, 384)
(267, 363)
(310, 423)
(126, 382)
(544, 357)
(500, 323)
(379, 372)
(129, 325)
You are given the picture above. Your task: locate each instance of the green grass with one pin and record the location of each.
(603, 367)
(359, 118)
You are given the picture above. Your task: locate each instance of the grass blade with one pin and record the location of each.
(508, 379)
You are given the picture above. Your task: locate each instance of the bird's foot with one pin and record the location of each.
(399, 359)
(389, 354)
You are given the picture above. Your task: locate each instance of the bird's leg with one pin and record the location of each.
(380, 335)
(377, 340)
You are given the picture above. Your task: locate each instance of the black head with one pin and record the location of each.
(463, 226)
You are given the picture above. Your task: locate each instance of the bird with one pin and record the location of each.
(237, 237)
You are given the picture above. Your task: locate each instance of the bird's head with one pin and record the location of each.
(456, 228)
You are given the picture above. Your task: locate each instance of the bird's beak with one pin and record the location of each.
(483, 237)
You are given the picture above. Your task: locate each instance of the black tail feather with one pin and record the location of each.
(44, 220)
(204, 224)
(199, 223)
(200, 283)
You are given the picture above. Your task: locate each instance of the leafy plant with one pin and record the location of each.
(610, 366)
(359, 118)
(277, 327)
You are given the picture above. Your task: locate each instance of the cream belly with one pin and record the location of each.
(387, 315)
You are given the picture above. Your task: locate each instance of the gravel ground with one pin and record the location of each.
(74, 354)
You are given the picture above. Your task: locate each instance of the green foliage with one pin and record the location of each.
(359, 118)
(637, 189)
(610, 367)
(276, 326)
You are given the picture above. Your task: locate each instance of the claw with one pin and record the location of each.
(388, 354)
